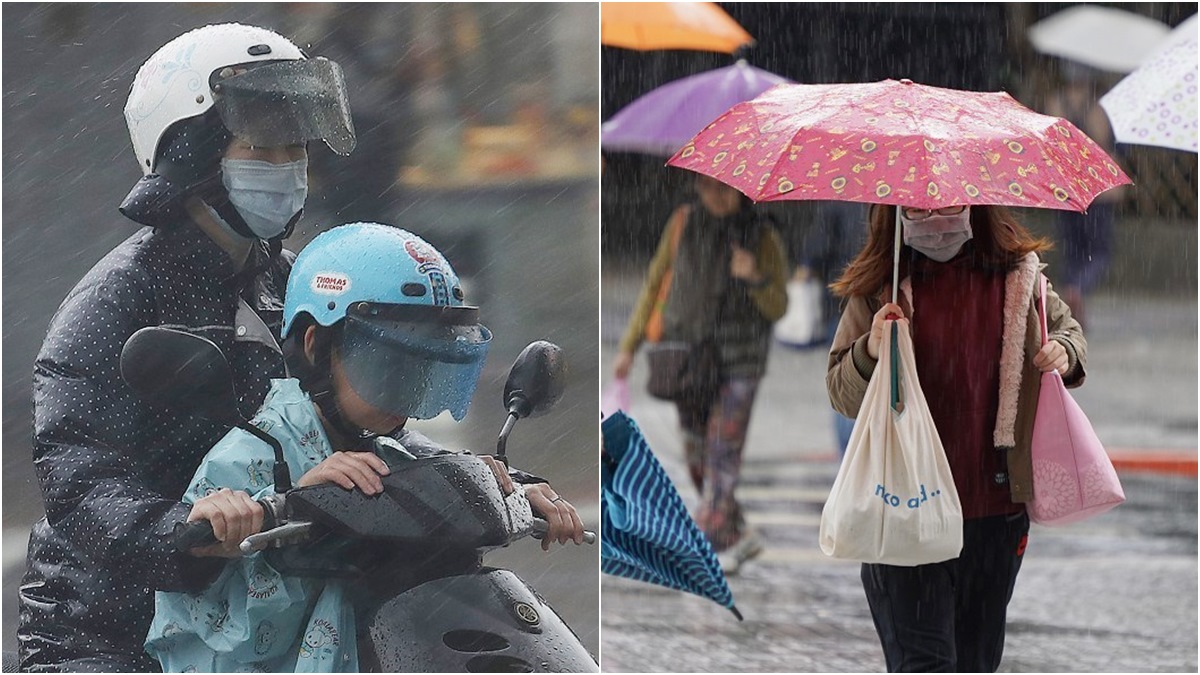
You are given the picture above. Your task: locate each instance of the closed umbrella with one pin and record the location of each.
(646, 532)
(646, 26)
(663, 120)
(1156, 104)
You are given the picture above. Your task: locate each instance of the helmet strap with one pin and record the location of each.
(316, 378)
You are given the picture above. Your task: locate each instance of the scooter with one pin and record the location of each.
(414, 553)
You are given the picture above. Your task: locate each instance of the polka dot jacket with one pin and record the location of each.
(112, 468)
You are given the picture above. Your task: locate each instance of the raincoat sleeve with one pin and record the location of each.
(660, 264)
(850, 366)
(250, 613)
(85, 421)
(771, 296)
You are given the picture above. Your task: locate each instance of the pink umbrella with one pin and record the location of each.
(900, 143)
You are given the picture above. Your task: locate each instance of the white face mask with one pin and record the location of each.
(938, 237)
(266, 195)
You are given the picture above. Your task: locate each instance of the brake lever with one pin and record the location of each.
(288, 533)
(540, 527)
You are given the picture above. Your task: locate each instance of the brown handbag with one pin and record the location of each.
(683, 371)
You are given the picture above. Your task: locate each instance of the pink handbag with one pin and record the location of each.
(1073, 478)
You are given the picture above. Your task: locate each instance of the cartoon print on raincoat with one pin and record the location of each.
(252, 617)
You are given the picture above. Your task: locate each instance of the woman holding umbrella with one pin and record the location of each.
(727, 280)
(969, 290)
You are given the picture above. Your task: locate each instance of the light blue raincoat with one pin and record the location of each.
(252, 619)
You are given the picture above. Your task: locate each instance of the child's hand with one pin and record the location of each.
(564, 522)
(350, 470)
(234, 516)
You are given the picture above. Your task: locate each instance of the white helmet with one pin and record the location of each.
(287, 98)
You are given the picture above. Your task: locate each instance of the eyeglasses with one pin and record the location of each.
(921, 214)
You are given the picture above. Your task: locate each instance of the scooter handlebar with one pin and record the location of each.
(194, 534)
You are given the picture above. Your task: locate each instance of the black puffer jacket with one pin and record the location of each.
(112, 468)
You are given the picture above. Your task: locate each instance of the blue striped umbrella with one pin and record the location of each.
(646, 532)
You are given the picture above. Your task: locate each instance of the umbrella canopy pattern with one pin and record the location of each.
(646, 532)
(1101, 37)
(900, 143)
(1156, 104)
(646, 26)
(661, 121)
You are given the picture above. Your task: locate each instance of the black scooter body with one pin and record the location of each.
(488, 622)
(447, 614)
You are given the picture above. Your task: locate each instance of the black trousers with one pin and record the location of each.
(950, 616)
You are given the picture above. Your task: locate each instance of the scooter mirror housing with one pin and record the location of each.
(181, 371)
(536, 380)
(189, 374)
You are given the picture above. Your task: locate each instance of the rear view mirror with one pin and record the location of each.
(184, 372)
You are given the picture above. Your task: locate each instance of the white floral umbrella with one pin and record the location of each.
(1156, 104)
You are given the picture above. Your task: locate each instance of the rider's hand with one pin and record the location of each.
(877, 324)
(234, 516)
(622, 365)
(501, 472)
(1052, 356)
(350, 470)
(564, 522)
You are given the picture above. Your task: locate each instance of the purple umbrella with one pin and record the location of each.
(666, 118)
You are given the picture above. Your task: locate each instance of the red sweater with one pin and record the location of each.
(957, 328)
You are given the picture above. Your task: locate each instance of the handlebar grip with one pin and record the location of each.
(194, 534)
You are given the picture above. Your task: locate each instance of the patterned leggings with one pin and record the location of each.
(714, 437)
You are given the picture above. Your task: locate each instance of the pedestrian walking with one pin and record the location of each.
(727, 275)
(970, 295)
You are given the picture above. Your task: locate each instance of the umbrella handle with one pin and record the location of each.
(540, 526)
(896, 260)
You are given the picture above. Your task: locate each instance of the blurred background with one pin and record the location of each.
(477, 129)
(974, 46)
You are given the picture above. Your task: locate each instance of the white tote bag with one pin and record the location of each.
(803, 325)
(894, 500)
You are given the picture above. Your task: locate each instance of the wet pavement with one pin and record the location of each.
(1117, 593)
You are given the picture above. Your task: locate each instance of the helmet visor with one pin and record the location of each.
(416, 367)
(286, 103)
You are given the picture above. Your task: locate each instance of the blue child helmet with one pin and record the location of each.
(409, 344)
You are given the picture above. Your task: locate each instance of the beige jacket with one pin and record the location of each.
(850, 366)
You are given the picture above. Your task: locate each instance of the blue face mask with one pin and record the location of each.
(266, 195)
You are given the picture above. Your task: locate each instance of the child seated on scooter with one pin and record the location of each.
(375, 332)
